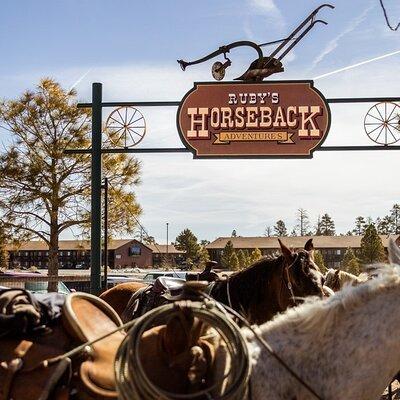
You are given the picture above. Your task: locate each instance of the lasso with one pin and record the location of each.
(132, 381)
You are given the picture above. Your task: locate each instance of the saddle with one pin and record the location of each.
(164, 290)
(39, 364)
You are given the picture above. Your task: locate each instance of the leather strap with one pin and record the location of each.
(12, 367)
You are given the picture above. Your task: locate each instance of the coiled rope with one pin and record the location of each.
(132, 382)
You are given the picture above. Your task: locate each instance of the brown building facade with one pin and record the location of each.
(332, 248)
(122, 253)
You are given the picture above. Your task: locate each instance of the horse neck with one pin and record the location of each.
(355, 357)
(251, 288)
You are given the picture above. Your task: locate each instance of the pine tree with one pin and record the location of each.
(234, 262)
(186, 241)
(350, 262)
(3, 252)
(327, 226)
(384, 226)
(293, 232)
(303, 222)
(360, 226)
(226, 255)
(318, 227)
(234, 233)
(45, 192)
(255, 255)
(319, 260)
(372, 249)
(395, 217)
(204, 256)
(280, 228)
(244, 259)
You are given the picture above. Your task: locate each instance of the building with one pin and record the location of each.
(122, 253)
(332, 248)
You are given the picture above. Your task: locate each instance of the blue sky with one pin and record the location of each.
(132, 48)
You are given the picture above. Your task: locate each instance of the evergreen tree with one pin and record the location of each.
(204, 256)
(45, 192)
(360, 226)
(149, 240)
(318, 227)
(234, 233)
(303, 222)
(319, 260)
(327, 226)
(384, 226)
(395, 217)
(234, 262)
(280, 228)
(255, 255)
(186, 241)
(226, 255)
(350, 262)
(244, 259)
(293, 232)
(372, 249)
(3, 251)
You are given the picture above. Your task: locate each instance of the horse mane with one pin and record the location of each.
(319, 316)
(344, 277)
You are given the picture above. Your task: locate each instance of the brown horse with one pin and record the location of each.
(265, 288)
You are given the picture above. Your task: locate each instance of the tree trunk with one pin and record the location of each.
(53, 254)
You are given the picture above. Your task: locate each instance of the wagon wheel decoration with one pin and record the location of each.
(125, 127)
(382, 123)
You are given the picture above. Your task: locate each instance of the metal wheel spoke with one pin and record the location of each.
(368, 133)
(391, 113)
(394, 137)
(122, 120)
(373, 116)
(133, 140)
(137, 120)
(118, 122)
(133, 114)
(379, 134)
(131, 129)
(377, 109)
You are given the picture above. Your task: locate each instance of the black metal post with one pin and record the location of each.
(95, 239)
(105, 233)
(167, 243)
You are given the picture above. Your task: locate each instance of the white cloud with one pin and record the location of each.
(266, 6)
(213, 197)
(334, 43)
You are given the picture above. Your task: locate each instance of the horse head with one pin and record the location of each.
(300, 273)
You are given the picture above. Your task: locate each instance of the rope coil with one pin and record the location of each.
(132, 381)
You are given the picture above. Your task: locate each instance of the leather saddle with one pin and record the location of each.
(41, 366)
(164, 290)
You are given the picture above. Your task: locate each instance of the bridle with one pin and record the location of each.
(288, 283)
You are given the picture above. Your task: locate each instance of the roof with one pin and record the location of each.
(39, 245)
(323, 242)
(162, 249)
(64, 245)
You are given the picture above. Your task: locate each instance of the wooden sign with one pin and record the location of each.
(252, 120)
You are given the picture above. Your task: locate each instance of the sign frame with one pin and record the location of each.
(254, 156)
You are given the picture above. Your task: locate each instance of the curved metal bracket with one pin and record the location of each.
(224, 50)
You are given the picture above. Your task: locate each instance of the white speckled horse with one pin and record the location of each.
(344, 347)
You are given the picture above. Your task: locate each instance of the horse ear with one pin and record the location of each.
(286, 252)
(337, 272)
(309, 245)
(394, 252)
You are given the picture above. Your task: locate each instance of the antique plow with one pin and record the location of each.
(262, 66)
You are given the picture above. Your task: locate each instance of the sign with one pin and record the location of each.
(252, 120)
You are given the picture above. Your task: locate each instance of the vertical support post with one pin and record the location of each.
(105, 232)
(167, 257)
(95, 239)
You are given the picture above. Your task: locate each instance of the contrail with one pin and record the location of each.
(80, 79)
(357, 65)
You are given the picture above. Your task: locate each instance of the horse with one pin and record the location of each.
(342, 347)
(336, 279)
(265, 288)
